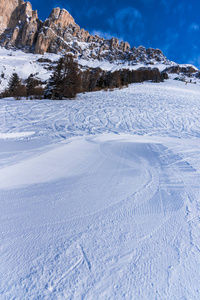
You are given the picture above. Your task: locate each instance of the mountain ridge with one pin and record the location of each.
(20, 28)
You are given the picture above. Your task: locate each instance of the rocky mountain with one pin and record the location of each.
(20, 28)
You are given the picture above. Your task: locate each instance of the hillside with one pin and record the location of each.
(42, 66)
(99, 196)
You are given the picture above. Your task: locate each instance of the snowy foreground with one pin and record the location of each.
(100, 197)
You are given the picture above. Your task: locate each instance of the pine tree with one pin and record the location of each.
(30, 86)
(65, 81)
(71, 77)
(115, 81)
(14, 85)
(94, 79)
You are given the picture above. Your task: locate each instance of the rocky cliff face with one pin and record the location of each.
(20, 24)
(7, 19)
(20, 28)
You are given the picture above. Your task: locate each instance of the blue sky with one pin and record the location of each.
(170, 25)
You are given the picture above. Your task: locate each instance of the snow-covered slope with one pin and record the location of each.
(41, 66)
(23, 64)
(99, 196)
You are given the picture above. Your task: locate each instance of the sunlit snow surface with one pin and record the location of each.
(100, 196)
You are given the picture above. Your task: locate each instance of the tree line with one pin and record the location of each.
(67, 80)
(31, 88)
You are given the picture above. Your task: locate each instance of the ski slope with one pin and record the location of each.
(100, 196)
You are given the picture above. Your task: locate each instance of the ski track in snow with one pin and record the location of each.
(99, 197)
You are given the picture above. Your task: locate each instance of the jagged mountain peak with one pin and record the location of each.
(20, 28)
(61, 17)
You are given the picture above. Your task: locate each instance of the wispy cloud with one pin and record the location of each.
(100, 33)
(128, 22)
(194, 27)
(128, 16)
(105, 35)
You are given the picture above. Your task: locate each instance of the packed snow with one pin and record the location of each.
(100, 196)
